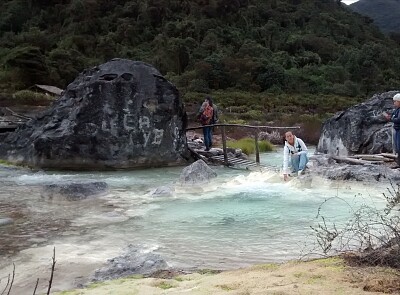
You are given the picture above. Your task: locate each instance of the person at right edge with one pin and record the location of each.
(395, 118)
(295, 150)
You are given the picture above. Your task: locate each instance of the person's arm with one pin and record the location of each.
(396, 118)
(285, 162)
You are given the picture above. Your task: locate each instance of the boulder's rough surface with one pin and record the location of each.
(360, 129)
(133, 261)
(327, 167)
(6, 221)
(121, 114)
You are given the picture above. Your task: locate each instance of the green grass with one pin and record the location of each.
(28, 96)
(226, 287)
(247, 145)
(267, 266)
(208, 271)
(164, 285)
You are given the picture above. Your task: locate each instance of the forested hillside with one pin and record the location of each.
(385, 13)
(293, 56)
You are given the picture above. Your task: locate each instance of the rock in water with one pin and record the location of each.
(197, 173)
(75, 191)
(120, 115)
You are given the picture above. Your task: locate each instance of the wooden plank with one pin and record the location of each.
(390, 156)
(242, 125)
(257, 147)
(369, 157)
(235, 161)
(224, 146)
(349, 160)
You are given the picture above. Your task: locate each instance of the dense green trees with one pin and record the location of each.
(272, 46)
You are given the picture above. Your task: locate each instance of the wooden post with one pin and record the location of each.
(257, 148)
(224, 146)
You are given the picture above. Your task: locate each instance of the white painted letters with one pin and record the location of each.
(148, 132)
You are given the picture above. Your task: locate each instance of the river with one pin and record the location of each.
(240, 218)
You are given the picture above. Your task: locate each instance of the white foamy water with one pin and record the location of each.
(240, 218)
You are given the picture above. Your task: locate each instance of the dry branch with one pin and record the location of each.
(390, 156)
(52, 270)
(371, 236)
(349, 160)
(371, 158)
(12, 280)
(37, 282)
(8, 282)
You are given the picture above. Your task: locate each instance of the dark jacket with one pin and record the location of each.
(395, 118)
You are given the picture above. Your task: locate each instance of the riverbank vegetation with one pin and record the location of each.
(247, 145)
(374, 232)
(262, 60)
(324, 276)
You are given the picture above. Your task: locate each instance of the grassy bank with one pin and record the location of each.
(324, 276)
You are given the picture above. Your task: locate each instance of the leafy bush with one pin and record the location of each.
(28, 96)
(253, 115)
(230, 120)
(199, 85)
(247, 145)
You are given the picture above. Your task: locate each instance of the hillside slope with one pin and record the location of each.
(385, 13)
(258, 46)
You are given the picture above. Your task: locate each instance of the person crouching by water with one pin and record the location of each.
(208, 114)
(395, 118)
(295, 150)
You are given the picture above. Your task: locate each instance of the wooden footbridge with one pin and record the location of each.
(233, 161)
(11, 120)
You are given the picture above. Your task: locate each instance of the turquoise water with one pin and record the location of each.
(240, 218)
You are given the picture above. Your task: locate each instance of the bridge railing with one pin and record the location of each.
(256, 132)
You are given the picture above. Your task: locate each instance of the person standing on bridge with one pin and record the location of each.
(208, 115)
(295, 150)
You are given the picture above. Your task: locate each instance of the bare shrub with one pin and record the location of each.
(370, 237)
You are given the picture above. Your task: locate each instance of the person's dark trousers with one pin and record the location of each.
(397, 145)
(207, 132)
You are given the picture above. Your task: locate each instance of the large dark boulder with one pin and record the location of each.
(360, 129)
(119, 115)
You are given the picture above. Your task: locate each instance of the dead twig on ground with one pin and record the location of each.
(34, 291)
(12, 279)
(10, 283)
(52, 270)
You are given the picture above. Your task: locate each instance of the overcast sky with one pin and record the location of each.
(349, 1)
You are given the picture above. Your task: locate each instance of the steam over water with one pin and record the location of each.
(240, 218)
